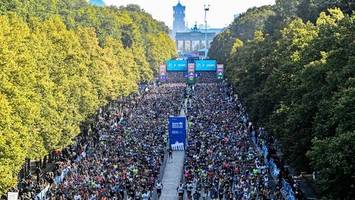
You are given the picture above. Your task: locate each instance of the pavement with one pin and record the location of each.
(172, 176)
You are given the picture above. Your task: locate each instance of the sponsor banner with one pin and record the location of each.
(176, 66)
(177, 132)
(206, 65)
(191, 68)
(220, 71)
(220, 68)
(12, 195)
(162, 70)
(191, 73)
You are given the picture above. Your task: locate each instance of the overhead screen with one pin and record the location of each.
(176, 66)
(206, 65)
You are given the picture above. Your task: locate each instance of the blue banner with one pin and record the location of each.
(206, 65)
(59, 179)
(287, 191)
(176, 66)
(177, 132)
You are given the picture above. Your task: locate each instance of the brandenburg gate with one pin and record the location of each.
(193, 40)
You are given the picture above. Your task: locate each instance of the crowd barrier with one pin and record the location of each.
(275, 172)
(59, 179)
(286, 189)
(265, 151)
(43, 194)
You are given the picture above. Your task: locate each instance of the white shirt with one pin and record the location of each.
(145, 196)
(159, 186)
(77, 197)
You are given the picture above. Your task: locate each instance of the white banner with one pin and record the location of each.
(12, 195)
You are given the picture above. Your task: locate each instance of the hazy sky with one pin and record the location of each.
(221, 11)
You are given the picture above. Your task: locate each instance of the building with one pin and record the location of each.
(179, 19)
(191, 40)
(194, 40)
(100, 3)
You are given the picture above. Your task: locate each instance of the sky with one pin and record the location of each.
(221, 12)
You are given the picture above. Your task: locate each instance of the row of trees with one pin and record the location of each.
(60, 60)
(296, 76)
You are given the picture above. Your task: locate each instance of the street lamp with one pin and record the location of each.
(207, 8)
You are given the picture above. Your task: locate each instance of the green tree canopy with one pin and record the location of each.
(59, 62)
(296, 77)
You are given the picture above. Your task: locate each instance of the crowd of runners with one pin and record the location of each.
(121, 154)
(222, 162)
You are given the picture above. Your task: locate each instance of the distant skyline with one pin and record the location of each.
(220, 15)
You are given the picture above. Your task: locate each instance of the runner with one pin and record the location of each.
(170, 153)
(159, 187)
(180, 191)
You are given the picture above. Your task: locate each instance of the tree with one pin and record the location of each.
(334, 159)
(297, 79)
(59, 62)
(243, 28)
